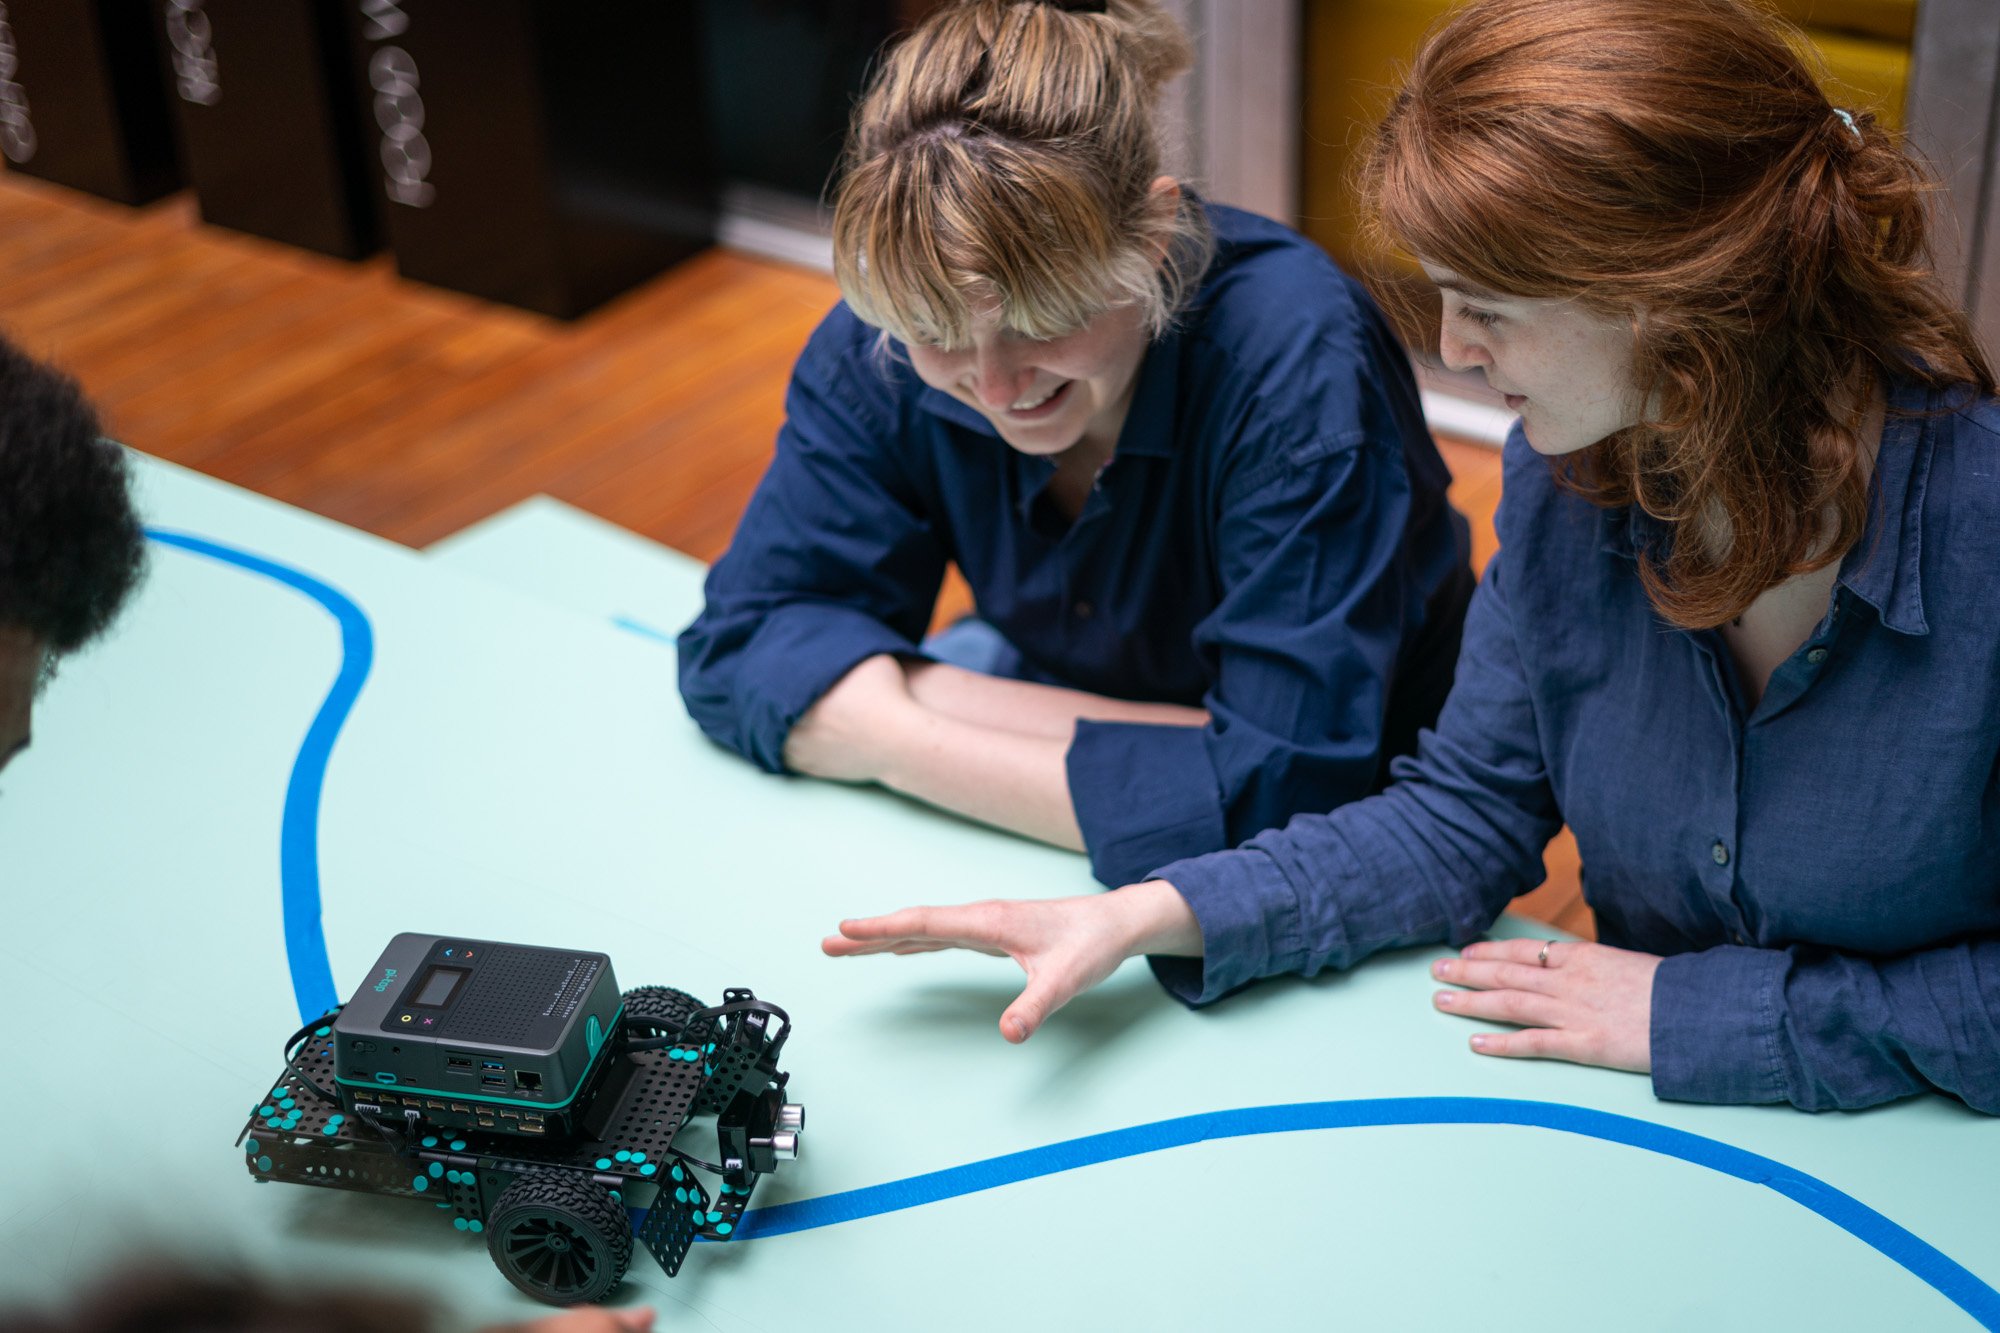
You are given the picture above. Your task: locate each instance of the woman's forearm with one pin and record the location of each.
(1025, 708)
(1000, 777)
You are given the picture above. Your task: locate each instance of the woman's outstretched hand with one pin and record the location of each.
(1065, 945)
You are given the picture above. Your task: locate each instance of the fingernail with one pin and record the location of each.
(1441, 968)
(1479, 1043)
(1444, 999)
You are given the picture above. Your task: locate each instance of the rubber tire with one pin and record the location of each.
(660, 1007)
(578, 1211)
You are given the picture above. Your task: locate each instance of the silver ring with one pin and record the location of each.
(1543, 956)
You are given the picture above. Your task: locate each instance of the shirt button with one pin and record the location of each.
(1816, 656)
(1719, 853)
(1081, 610)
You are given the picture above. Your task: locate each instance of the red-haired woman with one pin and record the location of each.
(1741, 634)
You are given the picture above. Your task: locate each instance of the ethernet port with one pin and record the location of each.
(527, 1080)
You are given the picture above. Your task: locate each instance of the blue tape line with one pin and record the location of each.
(312, 983)
(642, 629)
(298, 846)
(1921, 1259)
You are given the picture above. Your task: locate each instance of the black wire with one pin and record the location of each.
(297, 1039)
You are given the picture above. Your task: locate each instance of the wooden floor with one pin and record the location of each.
(411, 412)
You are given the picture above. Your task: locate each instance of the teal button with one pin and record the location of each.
(267, 1111)
(623, 1155)
(475, 1226)
(458, 1145)
(251, 1147)
(329, 1129)
(322, 1032)
(459, 1224)
(680, 1196)
(604, 1164)
(287, 1104)
(678, 1175)
(430, 1141)
(263, 1164)
(420, 1184)
(648, 1169)
(437, 1169)
(638, 1157)
(724, 1229)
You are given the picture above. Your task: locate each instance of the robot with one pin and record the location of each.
(518, 1089)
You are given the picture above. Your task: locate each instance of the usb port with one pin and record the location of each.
(494, 1080)
(491, 1064)
(458, 1064)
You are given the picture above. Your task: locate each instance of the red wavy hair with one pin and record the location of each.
(1677, 165)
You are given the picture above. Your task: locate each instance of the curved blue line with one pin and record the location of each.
(1920, 1258)
(312, 983)
(298, 843)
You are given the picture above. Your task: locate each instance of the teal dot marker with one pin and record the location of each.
(678, 1175)
(337, 1118)
(420, 1184)
(437, 1169)
(329, 1129)
(623, 1155)
(430, 1141)
(475, 1226)
(263, 1164)
(322, 1032)
(459, 1224)
(648, 1169)
(604, 1164)
(251, 1147)
(680, 1196)
(715, 1217)
(458, 1145)
(638, 1157)
(287, 1104)
(724, 1229)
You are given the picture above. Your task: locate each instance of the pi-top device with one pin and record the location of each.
(518, 1089)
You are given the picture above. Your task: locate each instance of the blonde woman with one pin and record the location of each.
(1176, 453)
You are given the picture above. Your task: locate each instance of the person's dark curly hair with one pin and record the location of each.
(163, 1300)
(71, 548)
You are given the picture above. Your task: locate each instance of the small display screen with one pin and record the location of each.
(436, 987)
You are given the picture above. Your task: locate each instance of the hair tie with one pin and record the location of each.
(1847, 119)
(1079, 6)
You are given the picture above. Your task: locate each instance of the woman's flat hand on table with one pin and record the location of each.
(1587, 1003)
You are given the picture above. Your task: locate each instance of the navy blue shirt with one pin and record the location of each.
(1270, 541)
(1821, 872)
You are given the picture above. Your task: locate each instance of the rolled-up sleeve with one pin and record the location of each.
(834, 561)
(1828, 1031)
(1436, 857)
(1320, 599)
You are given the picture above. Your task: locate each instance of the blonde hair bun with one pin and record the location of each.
(1005, 151)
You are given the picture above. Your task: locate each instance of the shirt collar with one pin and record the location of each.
(1885, 568)
(1149, 424)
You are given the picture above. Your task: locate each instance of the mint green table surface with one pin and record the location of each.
(521, 770)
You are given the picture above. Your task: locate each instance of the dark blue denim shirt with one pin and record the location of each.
(1821, 872)
(1270, 541)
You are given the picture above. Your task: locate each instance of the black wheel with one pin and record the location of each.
(660, 1008)
(560, 1239)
